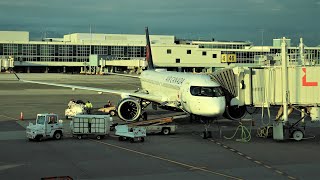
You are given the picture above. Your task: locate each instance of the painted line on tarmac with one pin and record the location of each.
(169, 160)
(252, 159)
(9, 166)
(9, 117)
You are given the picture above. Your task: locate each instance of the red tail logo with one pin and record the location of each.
(304, 79)
(147, 53)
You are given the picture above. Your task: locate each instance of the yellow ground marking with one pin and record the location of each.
(258, 162)
(171, 161)
(279, 172)
(290, 177)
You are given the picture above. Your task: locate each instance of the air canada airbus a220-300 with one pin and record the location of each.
(195, 94)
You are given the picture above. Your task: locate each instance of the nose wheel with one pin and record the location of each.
(206, 133)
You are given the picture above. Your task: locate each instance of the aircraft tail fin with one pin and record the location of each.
(148, 51)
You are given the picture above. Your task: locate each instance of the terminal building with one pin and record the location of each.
(99, 53)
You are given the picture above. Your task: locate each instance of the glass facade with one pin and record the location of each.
(68, 53)
(223, 46)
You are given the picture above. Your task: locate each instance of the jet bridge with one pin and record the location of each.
(286, 83)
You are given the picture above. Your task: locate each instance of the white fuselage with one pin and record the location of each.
(175, 87)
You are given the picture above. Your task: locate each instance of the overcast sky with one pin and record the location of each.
(196, 19)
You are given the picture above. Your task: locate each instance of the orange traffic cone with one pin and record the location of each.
(21, 116)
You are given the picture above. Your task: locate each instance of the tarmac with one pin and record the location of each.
(183, 155)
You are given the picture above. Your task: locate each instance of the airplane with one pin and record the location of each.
(195, 94)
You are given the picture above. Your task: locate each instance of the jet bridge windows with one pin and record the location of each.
(206, 91)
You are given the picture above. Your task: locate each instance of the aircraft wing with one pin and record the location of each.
(122, 93)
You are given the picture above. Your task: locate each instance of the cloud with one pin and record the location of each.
(226, 19)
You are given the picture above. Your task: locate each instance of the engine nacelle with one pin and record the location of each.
(235, 112)
(129, 109)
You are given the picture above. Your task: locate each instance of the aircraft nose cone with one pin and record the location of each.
(212, 108)
(217, 107)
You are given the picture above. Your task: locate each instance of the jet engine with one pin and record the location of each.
(235, 112)
(129, 109)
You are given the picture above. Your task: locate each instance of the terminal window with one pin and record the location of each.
(214, 55)
(178, 60)
(168, 51)
(204, 53)
(188, 51)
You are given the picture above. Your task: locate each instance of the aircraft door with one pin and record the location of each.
(184, 93)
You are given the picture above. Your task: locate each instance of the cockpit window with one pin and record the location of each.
(206, 91)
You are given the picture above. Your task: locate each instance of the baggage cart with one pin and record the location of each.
(132, 133)
(97, 126)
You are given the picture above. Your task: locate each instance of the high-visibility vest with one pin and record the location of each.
(89, 105)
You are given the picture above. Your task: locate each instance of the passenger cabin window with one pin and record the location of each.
(188, 51)
(204, 53)
(206, 91)
(168, 51)
(214, 55)
(178, 60)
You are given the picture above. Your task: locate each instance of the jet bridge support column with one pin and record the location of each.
(278, 125)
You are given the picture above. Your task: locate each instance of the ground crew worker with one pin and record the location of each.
(88, 106)
(108, 104)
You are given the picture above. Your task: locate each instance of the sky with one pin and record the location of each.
(258, 21)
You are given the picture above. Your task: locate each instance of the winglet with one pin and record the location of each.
(148, 51)
(16, 75)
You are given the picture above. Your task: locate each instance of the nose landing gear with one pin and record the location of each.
(206, 133)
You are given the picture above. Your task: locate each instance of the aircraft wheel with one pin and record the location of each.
(144, 116)
(209, 134)
(204, 135)
(79, 137)
(98, 137)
